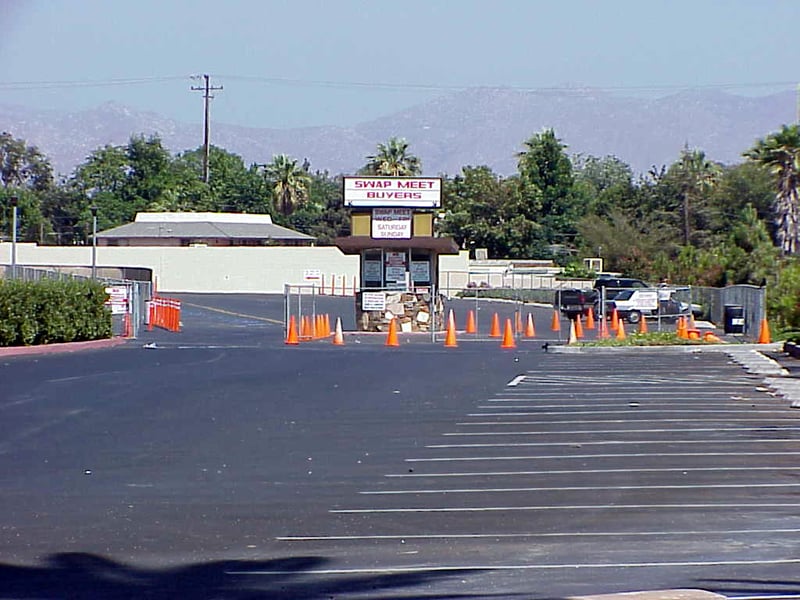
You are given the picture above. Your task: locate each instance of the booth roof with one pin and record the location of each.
(354, 244)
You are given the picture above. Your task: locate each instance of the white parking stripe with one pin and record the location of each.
(520, 567)
(630, 411)
(579, 534)
(787, 429)
(573, 444)
(474, 509)
(726, 421)
(580, 488)
(771, 468)
(516, 381)
(585, 456)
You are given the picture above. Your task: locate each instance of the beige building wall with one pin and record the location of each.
(213, 269)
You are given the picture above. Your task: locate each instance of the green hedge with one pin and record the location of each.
(49, 312)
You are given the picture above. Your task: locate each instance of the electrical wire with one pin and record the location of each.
(280, 81)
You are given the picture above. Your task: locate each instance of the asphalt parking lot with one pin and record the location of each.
(220, 463)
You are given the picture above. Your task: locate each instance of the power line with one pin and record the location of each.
(390, 86)
(207, 88)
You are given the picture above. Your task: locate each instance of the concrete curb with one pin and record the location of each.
(61, 348)
(678, 594)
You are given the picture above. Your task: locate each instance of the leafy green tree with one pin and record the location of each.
(393, 159)
(324, 215)
(780, 153)
(546, 172)
(23, 166)
(289, 183)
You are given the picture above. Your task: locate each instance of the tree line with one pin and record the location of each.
(695, 221)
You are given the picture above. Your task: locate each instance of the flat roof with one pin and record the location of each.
(354, 244)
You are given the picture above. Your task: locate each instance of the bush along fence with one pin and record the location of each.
(50, 312)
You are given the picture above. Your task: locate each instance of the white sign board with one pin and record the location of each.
(645, 299)
(117, 299)
(391, 223)
(410, 192)
(373, 301)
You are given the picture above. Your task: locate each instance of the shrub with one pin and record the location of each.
(47, 312)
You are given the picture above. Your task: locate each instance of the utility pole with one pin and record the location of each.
(207, 88)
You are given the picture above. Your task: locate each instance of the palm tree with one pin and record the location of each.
(780, 153)
(289, 183)
(695, 174)
(393, 159)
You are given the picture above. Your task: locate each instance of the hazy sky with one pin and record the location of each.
(339, 62)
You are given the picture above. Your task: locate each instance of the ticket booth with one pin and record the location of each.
(391, 222)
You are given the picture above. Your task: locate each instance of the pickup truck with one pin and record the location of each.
(573, 302)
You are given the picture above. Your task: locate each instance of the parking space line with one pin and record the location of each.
(583, 488)
(572, 507)
(544, 535)
(771, 468)
(619, 421)
(586, 456)
(521, 567)
(787, 429)
(572, 444)
(630, 411)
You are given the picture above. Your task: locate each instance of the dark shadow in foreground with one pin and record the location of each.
(750, 587)
(83, 576)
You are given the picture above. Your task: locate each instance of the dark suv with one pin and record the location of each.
(617, 284)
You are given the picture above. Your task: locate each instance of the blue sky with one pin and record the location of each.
(339, 62)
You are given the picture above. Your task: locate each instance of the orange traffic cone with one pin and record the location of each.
(291, 336)
(578, 327)
(450, 336)
(518, 322)
(338, 338)
(642, 325)
(530, 329)
(495, 332)
(614, 320)
(763, 335)
(471, 326)
(603, 330)
(573, 333)
(621, 330)
(508, 336)
(555, 325)
(305, 327)
(709, 336)
(391, 338)
(691, 322)
(681, 329)
(590, 318)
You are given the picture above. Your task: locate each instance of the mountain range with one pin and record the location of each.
(478, 126)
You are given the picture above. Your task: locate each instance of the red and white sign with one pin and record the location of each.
(391, 223)
(409, 192)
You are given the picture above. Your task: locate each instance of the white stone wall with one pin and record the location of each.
(212, 269)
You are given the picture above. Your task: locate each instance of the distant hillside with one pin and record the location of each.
(473, 127)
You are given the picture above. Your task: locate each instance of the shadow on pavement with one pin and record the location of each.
(84, 576)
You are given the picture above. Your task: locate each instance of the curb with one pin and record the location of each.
(64, 348)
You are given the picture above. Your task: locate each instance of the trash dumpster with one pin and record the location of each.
(734, 318)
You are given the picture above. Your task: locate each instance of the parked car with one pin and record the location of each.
(633, 304)
(574, 302)
(614, 285)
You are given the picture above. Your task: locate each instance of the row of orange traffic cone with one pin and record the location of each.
(508, 333)
(312, 328)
